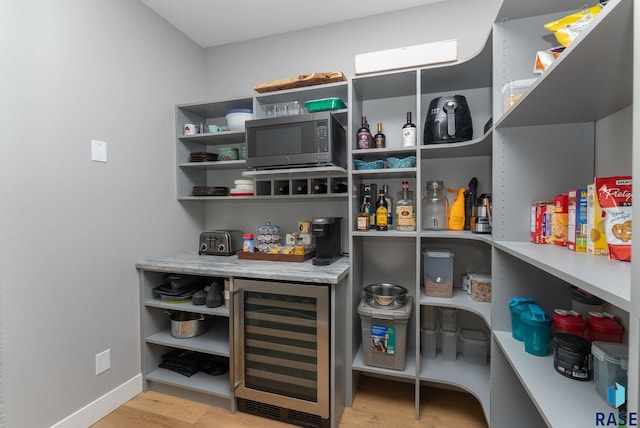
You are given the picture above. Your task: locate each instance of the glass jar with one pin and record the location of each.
(435, 206)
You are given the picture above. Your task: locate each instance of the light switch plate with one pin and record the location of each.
(98, 151)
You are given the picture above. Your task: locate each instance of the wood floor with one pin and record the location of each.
(378, 403)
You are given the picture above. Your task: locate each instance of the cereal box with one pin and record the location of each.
(596, 238)
(560, 219)
(577, 233)
(538, 210)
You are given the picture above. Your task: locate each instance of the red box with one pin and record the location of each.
(540, 226)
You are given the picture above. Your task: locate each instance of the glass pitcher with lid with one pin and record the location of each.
(435, 206)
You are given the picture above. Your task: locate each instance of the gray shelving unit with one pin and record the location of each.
(543, 145)
(396, 257)
(223, 173)
(158, 340)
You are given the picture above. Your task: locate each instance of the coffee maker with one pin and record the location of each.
(481, 219)
(328, 240)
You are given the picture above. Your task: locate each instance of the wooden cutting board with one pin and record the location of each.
(300, 81)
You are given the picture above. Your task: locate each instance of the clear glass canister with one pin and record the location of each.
(435, 206)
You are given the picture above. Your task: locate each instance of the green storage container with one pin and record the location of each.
(324, 104)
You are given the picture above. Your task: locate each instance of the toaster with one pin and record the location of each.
(220, 242)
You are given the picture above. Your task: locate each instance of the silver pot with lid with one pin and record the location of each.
(187, 324)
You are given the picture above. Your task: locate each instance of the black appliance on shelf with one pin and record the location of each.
(448, 120)
(328, 235)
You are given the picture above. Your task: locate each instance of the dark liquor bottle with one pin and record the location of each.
(381, 212)
(379, 140)
(365, 140)
(409, 131)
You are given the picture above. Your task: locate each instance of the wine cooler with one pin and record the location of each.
(281, 351)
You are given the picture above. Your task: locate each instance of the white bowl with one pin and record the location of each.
(245, 187)
(250, 182)
(237, 118)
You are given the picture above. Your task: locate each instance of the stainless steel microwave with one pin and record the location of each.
(313, 139)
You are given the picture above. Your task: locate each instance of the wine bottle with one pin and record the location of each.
(381, 212)
(301, 188)
(409, 132)
(283, 190)
(340, 187)
(379, 140)
(365, 140)
(320, 188)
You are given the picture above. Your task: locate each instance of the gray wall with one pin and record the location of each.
(234, 69)
(71, 230)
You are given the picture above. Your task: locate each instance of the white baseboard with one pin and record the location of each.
(98, 409)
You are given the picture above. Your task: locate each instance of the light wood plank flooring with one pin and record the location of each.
(378, 403)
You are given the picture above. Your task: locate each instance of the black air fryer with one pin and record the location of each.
(448, 120)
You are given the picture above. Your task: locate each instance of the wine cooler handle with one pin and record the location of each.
(238, 339)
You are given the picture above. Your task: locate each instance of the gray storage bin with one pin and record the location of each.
(384, 335)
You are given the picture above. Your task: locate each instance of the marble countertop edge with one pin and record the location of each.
(194, 264)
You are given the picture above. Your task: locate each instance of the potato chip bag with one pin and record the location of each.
(567, 29)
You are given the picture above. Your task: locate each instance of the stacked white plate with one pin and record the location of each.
(242, 188)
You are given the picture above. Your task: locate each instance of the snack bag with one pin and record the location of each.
(614, 195)
(567, 29)
(596, 241)
(545, 58)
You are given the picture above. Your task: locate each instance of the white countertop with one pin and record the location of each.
(194, 264)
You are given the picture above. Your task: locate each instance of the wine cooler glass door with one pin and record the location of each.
(282, 332)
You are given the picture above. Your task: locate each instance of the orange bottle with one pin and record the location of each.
(456, 213)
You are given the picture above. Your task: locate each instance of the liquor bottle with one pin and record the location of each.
(381, 212)
(409, 131)
(362, 219)
(379, 140)
(371, 210)
(405, 210)
(365, 140)
(389, 199)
